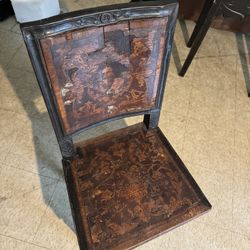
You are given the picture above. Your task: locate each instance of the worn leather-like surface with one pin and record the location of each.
(98, 73)
(131, 186)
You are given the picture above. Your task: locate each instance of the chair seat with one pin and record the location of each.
(130, 186)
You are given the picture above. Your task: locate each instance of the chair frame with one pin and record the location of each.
(34, 31)
(74, 155)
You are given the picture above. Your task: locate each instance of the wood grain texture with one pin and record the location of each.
(131, 186)
(99, 73)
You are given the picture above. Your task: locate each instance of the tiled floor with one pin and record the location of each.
(206, 116)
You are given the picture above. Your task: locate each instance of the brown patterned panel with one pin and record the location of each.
(99, 73)
(131, 186)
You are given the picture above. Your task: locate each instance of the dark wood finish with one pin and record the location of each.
(233, 15)
(96, 66)
(200, 31)
(131, 186)
(100, 73)
(43, 39)
(200, 22)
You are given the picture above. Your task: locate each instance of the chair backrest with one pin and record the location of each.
(102, 64)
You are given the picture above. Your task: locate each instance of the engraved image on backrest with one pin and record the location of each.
(103, 72)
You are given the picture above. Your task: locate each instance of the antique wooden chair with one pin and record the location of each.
(99, 65)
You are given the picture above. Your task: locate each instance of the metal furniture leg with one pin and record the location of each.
(200, 36)
(202, 18)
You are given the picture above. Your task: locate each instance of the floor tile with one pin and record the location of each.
(16, 28)
(242, 80)
(174, 127)
(178, 89)
(212, 106)
(10, 42)
(56, 230)
(177, 95)
(21, 60)
(8, 243)
(39, 105)
(195, 145)
(217, 73)
(227, 42)
(242, 121)
(242, 154)
(8, 23)
(18, 91)
(108, 127)
(240, 242)
(221, 149)
(241, 206)
(218, 188)
(24, 199)
(79, 4)
(210, 146)
(69, 5)
(198, 236)
(105, 128)
(36, 149)
(160, 243)
(9, 130)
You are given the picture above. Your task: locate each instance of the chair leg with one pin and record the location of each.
(202, 18)
(151, 120)
(200, 36)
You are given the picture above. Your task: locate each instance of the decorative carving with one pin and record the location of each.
(67, 147)
(103, 18)
(107, 17)
(89, 20)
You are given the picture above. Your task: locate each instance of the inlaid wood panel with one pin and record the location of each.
(131, 186)
(102, 72)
